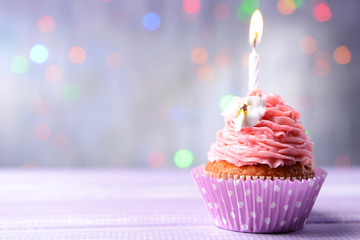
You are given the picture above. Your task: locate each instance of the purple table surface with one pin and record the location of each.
(147, 204)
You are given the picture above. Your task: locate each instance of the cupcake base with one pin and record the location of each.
(258, 206)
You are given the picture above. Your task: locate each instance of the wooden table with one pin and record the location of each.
(148, 204)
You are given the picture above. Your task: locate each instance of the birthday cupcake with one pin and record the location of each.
(261, 175)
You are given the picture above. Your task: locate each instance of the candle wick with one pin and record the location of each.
(254, 44)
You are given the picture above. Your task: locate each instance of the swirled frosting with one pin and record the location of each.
(278, 138)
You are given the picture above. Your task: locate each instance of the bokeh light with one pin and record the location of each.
(225, 100)
(39, 53)
(245, 60)
(77, 55)
(183, 158)
(246, 8)
(222, 62)
(156, 159)
(61, 140)
(42, 132)
(342, 55)
(46, 24)
(322, 12)
(114, 60)
(342, 162)
(205, 73)
(286, 7)
(151, 21)
(199, 55)
(321, 67)
(298, 3)
(53, 73)
(221, 12)
(191, 6)
(176, 113)
(308, 45)
(72, 92)
(19, 65)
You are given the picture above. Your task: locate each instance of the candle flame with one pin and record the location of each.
(256, 28)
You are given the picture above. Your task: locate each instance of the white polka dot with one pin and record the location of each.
(276, 188)
(247, 192)
(295, 219)
(203, 190)
(216, 205)
(224, 221)
(214, 186)
(290, 192)
(196, 175)
(282, 223)
(232, 214)
(298, 204)
(240, 204)
(311, 183)
(230, 193)
(210, 205)
(253, 214)
(259, 199)
(236, 182)
(267, 220)
(273, 204)
(216, 222)
(286, 207)
(220, 179)
(265, 185)
(244, 227)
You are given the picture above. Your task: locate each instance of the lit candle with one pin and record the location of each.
(255, 34)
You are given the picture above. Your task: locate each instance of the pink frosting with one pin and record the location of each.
(278, 139)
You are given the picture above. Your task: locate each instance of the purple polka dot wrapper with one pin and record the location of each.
(258, 206)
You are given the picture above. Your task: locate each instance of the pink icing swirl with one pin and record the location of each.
(278, 139)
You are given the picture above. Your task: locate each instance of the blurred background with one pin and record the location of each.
(91, 83)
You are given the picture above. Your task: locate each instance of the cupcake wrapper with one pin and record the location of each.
(258, 206)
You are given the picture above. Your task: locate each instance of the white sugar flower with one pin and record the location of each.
(245, 112)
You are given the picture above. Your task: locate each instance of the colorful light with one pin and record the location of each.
(61, 140)
(222, 62)
(298, 3)
(342, 55)
(199, 55)
(286, 7)
(183, 158)
(225, 100)
(221, 12)
(308, 45)
(114, 60)
(19, 65)
(191, 6)
(342, 162)
(246, 8)
(322, 12)
(321, 66)
(156, 159)
(42, 132)
(72, 92)
(205, 73)
(176, 113)
(151, 21)
(46, 24)
(245, 60)
(77, 55)
(53, 73)
(39, 53)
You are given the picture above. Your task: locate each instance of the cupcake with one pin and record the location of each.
(261, 175)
